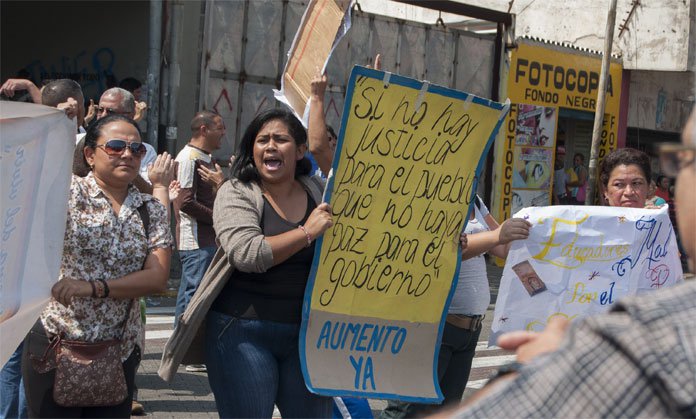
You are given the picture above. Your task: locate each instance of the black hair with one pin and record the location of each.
(202, 118)
(58, 91)
(130, 84)
(625, 156)
(94, 130)
(244, 168)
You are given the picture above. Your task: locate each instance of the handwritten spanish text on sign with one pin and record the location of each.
(404, 174)
(578, 260)
(37, 145)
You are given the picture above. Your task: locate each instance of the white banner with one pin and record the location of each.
(37, 144)
(578, 260)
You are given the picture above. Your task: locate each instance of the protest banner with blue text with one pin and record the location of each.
(37, 144)
(578, 260)
(405, 172)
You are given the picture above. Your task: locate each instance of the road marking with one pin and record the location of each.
(159, 320)
(157, 334)
(476, 384)
(492, 361)
(160, 310)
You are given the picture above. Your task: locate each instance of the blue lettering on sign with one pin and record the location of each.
(366, 371)
(365, 337)
(650, 250)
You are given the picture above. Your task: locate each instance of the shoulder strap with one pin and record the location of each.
(477, 202)
(145, 218)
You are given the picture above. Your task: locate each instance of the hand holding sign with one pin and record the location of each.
(319, 220)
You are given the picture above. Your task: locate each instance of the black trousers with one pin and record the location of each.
(39, 387)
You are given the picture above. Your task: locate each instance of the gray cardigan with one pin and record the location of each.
(241, 245)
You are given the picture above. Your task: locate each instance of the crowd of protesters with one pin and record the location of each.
(246, 243)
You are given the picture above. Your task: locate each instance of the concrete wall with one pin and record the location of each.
(660, 33)
(56, 39)
(189, 63)
(660, 101)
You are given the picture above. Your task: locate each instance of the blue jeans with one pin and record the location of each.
(457, 352)
(253, 364)
(13, 403)
(194, 263)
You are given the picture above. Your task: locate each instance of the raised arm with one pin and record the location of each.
(317, 135)
(13, 85)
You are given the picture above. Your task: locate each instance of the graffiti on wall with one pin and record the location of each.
(90, 70)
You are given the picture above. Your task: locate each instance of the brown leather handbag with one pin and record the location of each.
(89, 374)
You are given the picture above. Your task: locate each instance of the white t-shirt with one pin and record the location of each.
(188, 226)
(473, 295)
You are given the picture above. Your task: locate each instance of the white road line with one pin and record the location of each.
(157, 334)
(160, 310)
(476, 384)
(492, 361)
(160, 320)
(483, 346)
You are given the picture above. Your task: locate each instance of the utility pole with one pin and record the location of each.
(599, 111)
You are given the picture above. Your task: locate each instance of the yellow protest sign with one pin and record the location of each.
(405, 172)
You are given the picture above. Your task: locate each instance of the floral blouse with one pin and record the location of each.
(99, 244)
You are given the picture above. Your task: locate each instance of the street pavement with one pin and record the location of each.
(189, 395)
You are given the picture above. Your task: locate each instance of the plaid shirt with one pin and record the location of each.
(639, 360)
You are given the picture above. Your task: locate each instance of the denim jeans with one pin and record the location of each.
(453, 367)
(194, 263)
(13, 403)
(253, 364)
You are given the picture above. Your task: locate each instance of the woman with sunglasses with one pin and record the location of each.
(109, 260)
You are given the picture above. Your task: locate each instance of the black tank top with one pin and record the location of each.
(276, 294)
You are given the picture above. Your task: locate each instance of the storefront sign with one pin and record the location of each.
(544, 78)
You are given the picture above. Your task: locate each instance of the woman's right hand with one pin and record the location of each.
(514, 229)
(319, 220)
(65, 289)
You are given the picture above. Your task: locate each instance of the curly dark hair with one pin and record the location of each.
(625, 156)
(244, 168)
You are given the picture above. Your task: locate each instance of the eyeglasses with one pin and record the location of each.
(674, 157)
(109, 111)
(116, 147)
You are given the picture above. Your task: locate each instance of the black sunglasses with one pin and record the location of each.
(116, 147)
(109, 111)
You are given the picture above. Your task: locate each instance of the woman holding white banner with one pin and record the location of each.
(623, 175)
(463, 324)
(117, 248)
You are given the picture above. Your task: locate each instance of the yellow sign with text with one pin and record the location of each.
(406, 171)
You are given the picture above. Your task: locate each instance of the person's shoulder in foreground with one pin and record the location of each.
(637, 360)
